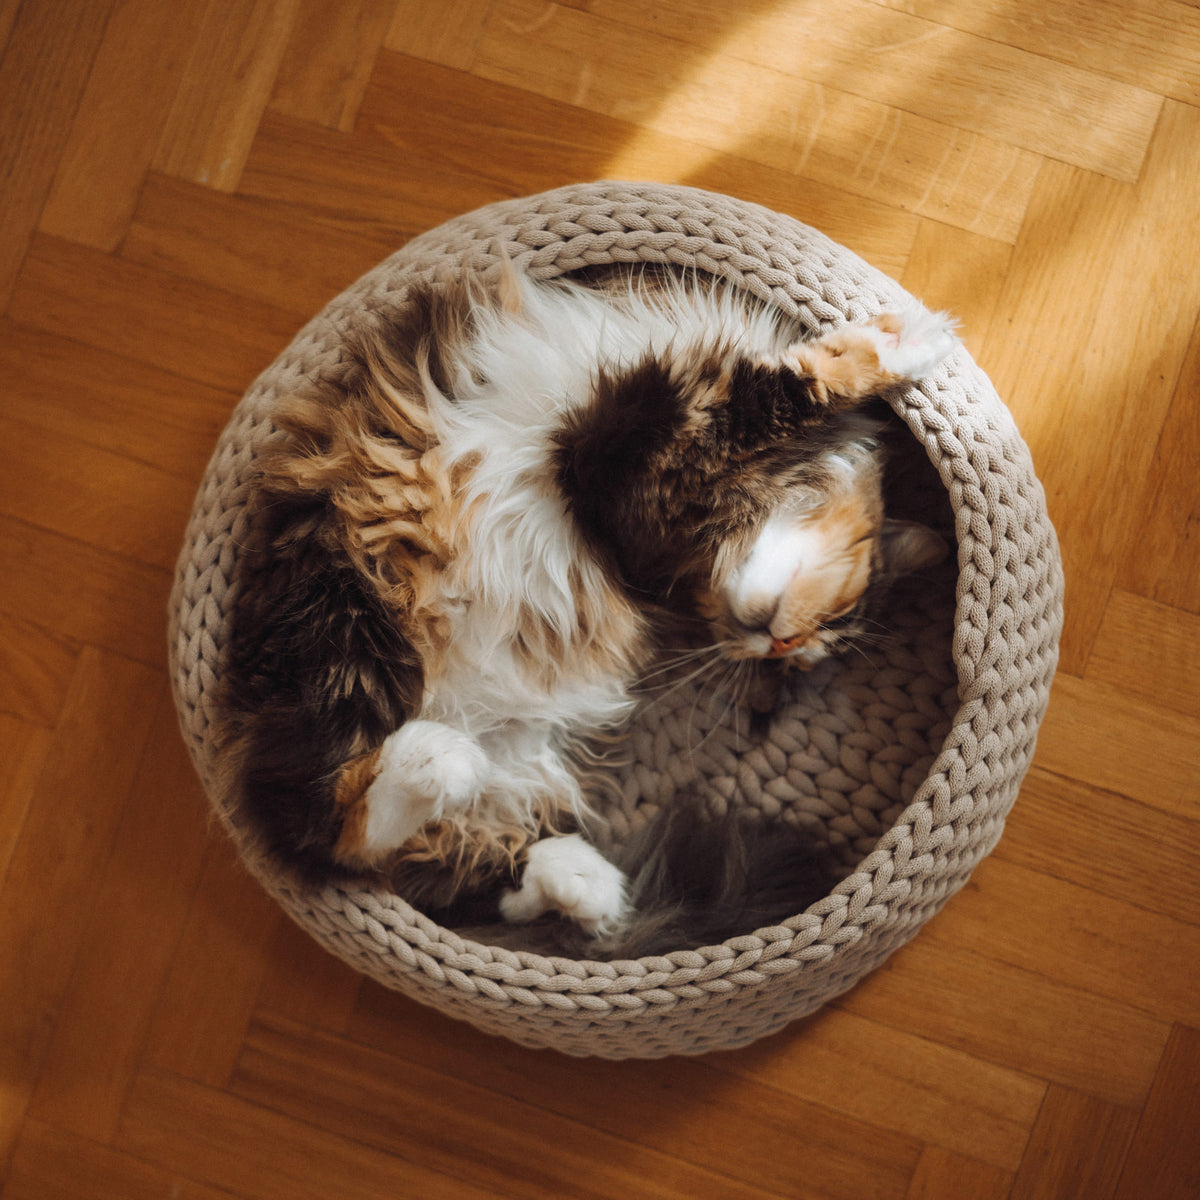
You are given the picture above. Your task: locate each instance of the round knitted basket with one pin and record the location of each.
(904, 761)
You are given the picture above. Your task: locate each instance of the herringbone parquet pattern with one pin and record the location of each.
(185, 181)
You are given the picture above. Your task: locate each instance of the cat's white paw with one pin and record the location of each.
(910, 343)
(426, 771)
(566, 875)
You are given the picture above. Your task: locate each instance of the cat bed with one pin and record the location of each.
(904, 760)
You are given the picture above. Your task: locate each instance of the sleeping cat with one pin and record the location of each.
(468, 547)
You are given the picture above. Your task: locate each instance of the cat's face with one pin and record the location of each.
(807, 583)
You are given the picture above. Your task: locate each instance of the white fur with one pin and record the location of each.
(426, 770)
(566, 875)
(513, 385)
(783, 547)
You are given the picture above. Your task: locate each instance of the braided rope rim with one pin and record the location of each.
(1006, 629)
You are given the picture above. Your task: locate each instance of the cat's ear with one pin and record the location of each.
(909, 546)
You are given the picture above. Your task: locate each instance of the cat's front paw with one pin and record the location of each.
(423, 772)
(567, 875)
(912, 342)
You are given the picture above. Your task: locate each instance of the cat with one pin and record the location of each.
(468, 546)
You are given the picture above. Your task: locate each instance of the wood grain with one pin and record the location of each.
(106, 1011)
(1163, 1159)
(863, 146)
(1076, 1149)
(84, 593)
(1099, 733)
(488, 1138)
(35, 669)
(23, 750)
(191, 329)
(1017, 1017)
(64, 841)
(42, 73)
(991, 87)
(185, 183)
(129, 92)
(1163, 562)
(448, 34)
(109, 401)
(328, 61)
(944, 1176)
(259, 249)
(1105, 843)
(1142, 42)
(1149, 650)
(223, 88)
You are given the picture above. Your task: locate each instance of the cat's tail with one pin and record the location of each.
(696, 881)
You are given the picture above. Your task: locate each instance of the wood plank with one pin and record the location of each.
(960, 273)
(306, 984)
(206, 1002)
(821, 132)
(328, 60)
(941, 1175)
(8, 15)
(220, 1140)
(202, 333)
(1132, 313)
(1164, 1158)
(35, 669)
(1162, 559)
(52, 1164)
(447, 34)
(111, 402)
(715, 1121)
(1153, 45)
(116, 129)
(1017, 1018)
(223, 89)
(349, 183)
(68, 830)
(42, 74)
(1105, 842)
(434, 115)
(1149, 650)
(1076, 937)
(256, 248)
(1076, 1148)
(23, 750)
(83, 593)
(131, 929)
(79, 491)
(487, 1137)
(436, 119)
(891, 1079)
(977, 83)
(1100, 735)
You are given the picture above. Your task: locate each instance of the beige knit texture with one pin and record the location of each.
(906, 761)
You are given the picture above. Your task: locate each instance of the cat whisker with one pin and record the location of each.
(669, 687)
(671, 662)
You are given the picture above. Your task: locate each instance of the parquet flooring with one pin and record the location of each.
(184, 182)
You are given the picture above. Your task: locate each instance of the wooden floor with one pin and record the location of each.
(185, 181)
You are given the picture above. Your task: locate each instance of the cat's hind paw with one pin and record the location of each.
(912, 342)
(568, 876)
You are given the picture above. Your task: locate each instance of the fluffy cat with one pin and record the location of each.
(468, 547)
